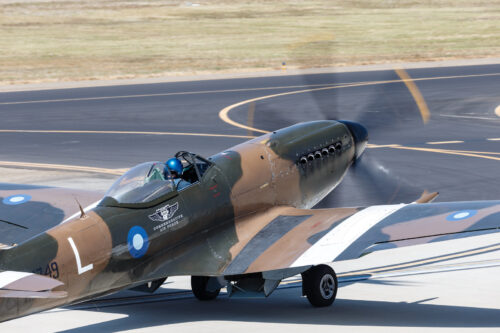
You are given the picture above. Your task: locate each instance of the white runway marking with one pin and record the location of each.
(466, 117)
(443, 142)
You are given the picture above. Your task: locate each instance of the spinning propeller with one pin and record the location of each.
(384, 109)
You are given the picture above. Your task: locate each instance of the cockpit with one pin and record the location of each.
(150, 183)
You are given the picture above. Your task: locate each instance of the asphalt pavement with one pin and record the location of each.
(131, 124)
(456, 152)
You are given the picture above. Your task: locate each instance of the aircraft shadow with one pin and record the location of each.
(285, 307)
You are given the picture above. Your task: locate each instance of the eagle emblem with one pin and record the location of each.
(164, 213)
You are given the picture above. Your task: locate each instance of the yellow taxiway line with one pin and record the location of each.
(409, 82)
(162, 94)
(118, 172)
(449, 152)
(469, 153)
(473, 152)
(78, 168)
(224, 113)
(417, 96)
(129, 132)
(64, 167)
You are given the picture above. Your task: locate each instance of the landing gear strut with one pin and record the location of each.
(205, 288)
(319, 284)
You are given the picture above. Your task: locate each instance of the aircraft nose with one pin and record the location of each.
(360, 135)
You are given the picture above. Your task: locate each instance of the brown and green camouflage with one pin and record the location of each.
(248, 211)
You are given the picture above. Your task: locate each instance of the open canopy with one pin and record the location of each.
(141, 184)
(149, 182)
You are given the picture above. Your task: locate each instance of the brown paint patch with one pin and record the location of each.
(248, 194)
(93, 241)
(248, 226)
(291, 246)
(286, 180)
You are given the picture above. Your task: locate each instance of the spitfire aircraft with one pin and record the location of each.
(244, 222)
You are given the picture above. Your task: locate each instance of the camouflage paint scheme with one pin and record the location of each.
(250, 212)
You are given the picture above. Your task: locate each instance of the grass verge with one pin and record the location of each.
(89, 39)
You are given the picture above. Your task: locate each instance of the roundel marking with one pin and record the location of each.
(16, 199)
(137, 241)
(461, 215)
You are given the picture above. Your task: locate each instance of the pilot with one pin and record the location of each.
(175, 167)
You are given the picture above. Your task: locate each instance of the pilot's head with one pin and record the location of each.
(175, 167)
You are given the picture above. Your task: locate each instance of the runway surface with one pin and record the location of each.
(457, 152)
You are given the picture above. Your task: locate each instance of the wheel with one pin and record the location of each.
(319, 284)
(202, 289)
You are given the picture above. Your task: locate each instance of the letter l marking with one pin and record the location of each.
(81, 269)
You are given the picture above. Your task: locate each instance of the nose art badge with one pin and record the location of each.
(164, 213)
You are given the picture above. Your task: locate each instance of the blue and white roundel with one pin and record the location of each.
(461, 215)
(17, 199)
(137, 241)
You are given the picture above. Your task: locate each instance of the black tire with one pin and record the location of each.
(319, 284)
(199, 288)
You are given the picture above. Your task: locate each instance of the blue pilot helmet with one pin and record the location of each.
(174, 165)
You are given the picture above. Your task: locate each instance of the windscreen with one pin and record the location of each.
(141, 184)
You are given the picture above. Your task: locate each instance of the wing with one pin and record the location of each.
(26, 211)
(382, 227)
(287, 237)
(28, 285)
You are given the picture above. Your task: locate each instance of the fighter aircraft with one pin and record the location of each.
(243, 221)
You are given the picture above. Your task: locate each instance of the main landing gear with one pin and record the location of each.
(319, 285)
(205, 288)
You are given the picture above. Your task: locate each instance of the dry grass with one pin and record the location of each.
(90, 39)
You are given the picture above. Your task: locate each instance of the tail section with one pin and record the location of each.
(26, 282)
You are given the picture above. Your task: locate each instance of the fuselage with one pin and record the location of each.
(116, 246)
